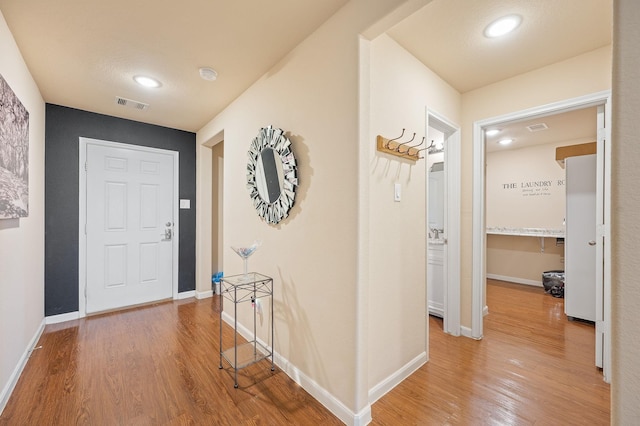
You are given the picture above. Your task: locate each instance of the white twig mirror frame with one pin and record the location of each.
(272, 175)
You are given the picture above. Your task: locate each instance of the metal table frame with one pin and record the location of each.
(238, 289)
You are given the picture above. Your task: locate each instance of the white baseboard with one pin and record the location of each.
(186, 295)
(204, 294)
(323, 396)
(436, 309)
(466, 332)
(396, 378)
(55, 319)
(17, 371)
(515, 280)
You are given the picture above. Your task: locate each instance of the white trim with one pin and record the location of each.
(451, 308)
(204, 294)
(479, 242)
(436, 309)
(362, 332)
(185, 295)
(516, 280)
(322, 395)
(82, 213)
(466, 332)
(606, 356)
(386, 385)
(56, 319)
(17, 371)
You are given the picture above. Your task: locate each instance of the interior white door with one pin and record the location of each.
(129, 213)
(580, 238)
(603, 246)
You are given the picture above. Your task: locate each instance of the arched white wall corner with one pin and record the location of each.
(478, 211)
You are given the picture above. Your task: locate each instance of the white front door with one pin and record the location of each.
(129, 226)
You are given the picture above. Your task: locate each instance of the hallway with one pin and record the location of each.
(532, 367)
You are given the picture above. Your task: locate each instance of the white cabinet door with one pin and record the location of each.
(580, 238)
(435, 279)
(129, 227)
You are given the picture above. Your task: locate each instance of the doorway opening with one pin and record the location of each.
(443, 221)
(217, 202)
(601, 101)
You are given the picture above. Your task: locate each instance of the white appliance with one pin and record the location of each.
(580, 238)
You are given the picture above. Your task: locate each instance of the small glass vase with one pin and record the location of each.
(244, 252)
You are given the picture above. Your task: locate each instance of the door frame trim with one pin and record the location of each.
(82, 213)
(451, 317)
(478, 211)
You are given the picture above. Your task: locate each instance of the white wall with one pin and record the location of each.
(22, 240)
(625, 387)
(511, 202)
(313, 255)
(402, 88)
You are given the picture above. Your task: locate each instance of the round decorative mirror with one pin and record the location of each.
(272, 174)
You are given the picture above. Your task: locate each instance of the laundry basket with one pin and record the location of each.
(553, 283)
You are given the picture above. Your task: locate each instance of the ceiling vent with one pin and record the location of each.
(129, 103)
(537, 127)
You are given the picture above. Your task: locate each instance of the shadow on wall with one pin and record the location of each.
(291, 314)
(387, 162)
(305, 172)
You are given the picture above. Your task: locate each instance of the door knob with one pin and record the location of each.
(592, 243)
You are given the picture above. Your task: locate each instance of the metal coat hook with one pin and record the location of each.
(409, 148)
(395, 139)
(415, 146)
(409, 152)
(402, 144)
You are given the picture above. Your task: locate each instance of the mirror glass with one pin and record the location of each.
(269, 175)
(272, 174)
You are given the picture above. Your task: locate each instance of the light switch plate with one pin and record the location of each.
(397, 192)
(185, 204)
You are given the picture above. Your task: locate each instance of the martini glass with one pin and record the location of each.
(244, 252)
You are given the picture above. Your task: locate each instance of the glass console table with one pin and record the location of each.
(239, 289)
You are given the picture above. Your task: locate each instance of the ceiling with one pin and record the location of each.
(446, 35)
(83, 54)
(577, 125)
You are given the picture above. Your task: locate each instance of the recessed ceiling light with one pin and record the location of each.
(492, 132)
(505, 141)
(208, 74)
(147, 81)
(502, 26)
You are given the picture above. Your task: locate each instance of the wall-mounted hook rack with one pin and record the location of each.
(399, 149)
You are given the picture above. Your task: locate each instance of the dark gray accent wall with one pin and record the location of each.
(64, 127)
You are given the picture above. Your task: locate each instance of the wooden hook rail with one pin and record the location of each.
(400, 149)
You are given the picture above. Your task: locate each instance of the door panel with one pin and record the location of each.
(580, 238)
(130, 198)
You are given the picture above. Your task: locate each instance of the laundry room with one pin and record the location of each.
(526, 197)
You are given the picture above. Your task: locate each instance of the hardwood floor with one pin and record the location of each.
(154, 365)
(532, 367)
(158, 365)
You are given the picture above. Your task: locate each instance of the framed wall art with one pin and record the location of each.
(14, 155)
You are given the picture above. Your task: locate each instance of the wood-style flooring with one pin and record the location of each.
(533, 367)
(158, 365)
